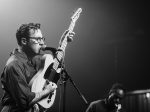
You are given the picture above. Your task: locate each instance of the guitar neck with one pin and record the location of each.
(63, 43)
(62, 47)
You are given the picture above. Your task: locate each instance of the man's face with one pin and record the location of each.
(35, 41)
(116, 96)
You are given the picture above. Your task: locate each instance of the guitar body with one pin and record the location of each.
(39, 81)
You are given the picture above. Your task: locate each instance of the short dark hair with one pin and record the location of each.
(24, 31)
(115, 87)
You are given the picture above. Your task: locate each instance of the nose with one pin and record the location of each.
(42, 43)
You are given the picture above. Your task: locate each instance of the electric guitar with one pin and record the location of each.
(48, 71)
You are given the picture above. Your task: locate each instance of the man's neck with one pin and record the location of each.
(27, 52)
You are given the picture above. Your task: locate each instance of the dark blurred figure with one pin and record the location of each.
(112, 103)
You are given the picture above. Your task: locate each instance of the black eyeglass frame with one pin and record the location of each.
(38, 39)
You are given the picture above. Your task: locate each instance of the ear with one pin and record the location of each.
(23, 41)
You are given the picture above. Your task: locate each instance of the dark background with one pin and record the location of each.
(111, 42)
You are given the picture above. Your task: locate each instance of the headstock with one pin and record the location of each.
(76, 14)
(65, 37)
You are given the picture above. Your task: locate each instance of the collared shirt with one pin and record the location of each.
(15, 78)
(101, 106)
(97, 106)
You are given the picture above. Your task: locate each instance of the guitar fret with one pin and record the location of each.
(56, 63)
(59, 56)
(64, 44)
(63, 47)
(71, 26)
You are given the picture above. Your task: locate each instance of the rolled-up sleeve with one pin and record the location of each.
(17, 86)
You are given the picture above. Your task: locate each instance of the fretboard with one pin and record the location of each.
(62, 47)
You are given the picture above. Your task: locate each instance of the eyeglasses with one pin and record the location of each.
(38, 39)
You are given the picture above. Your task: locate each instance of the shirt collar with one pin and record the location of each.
(19, 53)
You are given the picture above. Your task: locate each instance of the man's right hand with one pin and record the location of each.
(40, 95)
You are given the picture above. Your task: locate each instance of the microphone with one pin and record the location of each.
(52, 49)
(43, 47)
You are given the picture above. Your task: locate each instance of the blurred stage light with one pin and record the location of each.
(147, 95)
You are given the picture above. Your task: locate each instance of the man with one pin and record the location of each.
(20, 68)
(111, 103)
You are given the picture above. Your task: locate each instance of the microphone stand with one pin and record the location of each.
(68, 77)
(65, 78)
